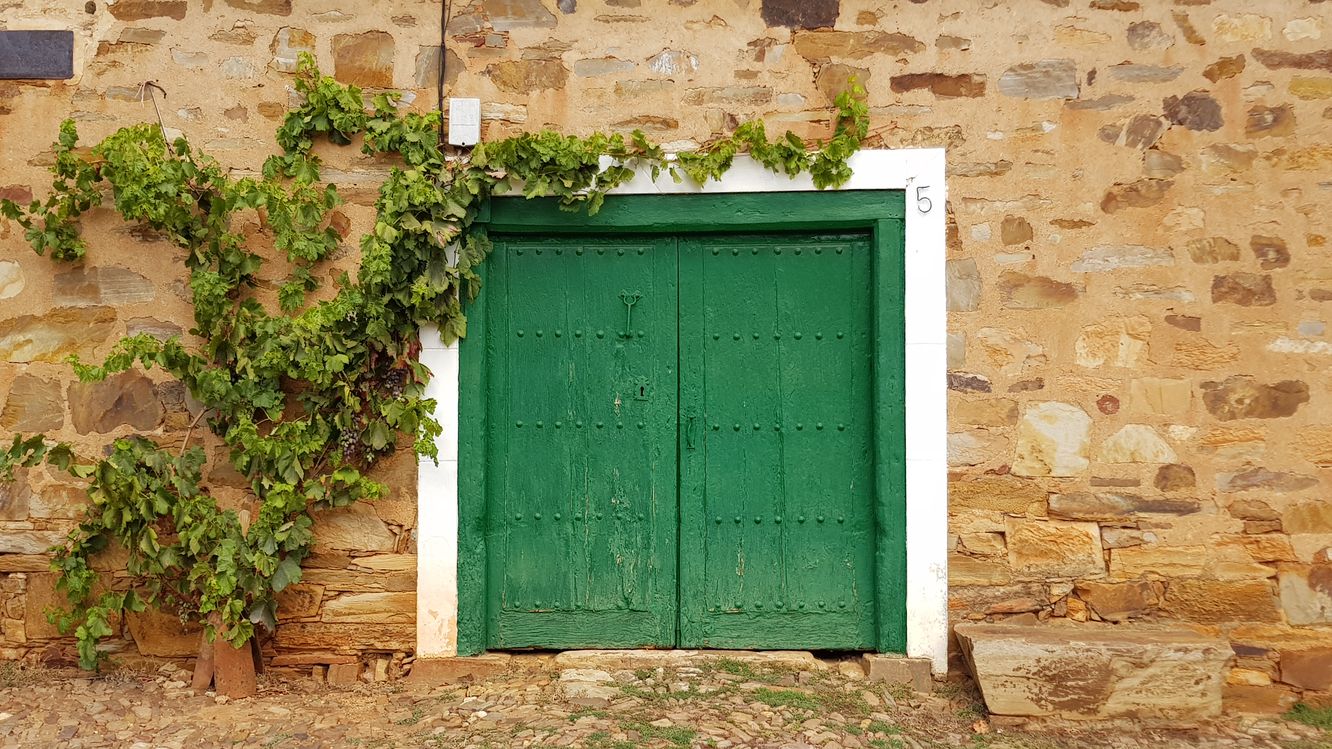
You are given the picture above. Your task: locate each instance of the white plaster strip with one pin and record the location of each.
(920, 172)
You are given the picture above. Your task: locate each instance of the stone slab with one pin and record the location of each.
(439, 671)
(1073, 672)
(897, 670)
(613, 660)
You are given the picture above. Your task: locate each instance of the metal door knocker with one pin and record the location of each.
(629, 299)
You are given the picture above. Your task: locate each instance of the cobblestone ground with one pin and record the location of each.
(535, 703)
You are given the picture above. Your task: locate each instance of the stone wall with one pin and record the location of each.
(1138, 294)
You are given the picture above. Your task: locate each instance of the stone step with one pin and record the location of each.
(632, 659)
(1168, 673)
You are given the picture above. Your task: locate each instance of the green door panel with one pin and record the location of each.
(777, 452)
(581, 455)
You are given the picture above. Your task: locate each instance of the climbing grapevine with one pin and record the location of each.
(306, 397)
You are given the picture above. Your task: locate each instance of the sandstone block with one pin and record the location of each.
(137, 10)
(1116, 506)
(1263, 700)
(364, 59)
(352, 528)
(824, 45)
(163, 635)
(441, 671)
(1270, 252)
(966, 570)
(1313, 517)
(29, 542)
(371, 608)
(963, 284)
(11, 279)
(52, 336)
(343, 673)
(287, 45)
(968, 382)
(506, 15)
(105, 286)
(1135, 443)
(1162, 396)
(1196, 110)
(1157, 562)
(1174, 477)
(989, 412)
(1242, 398)
(1306, 594)
(1021, 291)
(1110, 257)
(1131, 72)
(1267, 122)
(127, 398)
(1212, 250)
(1308, 669)
(1142, 193)
(40, 597)
(1052, 440)
(1117, 602)
(1310, 88)
(1099, 673)
(1314, 443)
(1057, 549)
(527, 76)
(299, 601)
(1219, 601)
(973, 448)
(1005, 494)
(898, 671)
(345, 638)
(15, 497)
(33, 405)
(1260, 478)
(1007, 351)
(1244, 289)
(1044, 79)
(1241, 27)
(1226, 67)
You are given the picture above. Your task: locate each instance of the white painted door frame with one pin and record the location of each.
(920, 173)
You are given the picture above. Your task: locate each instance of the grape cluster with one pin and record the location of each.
(395, 381)
(350, 442)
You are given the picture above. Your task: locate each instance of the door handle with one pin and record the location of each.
(689, 432)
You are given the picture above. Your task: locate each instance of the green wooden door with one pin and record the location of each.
(777, 474)
(706, 394)
(581, 401)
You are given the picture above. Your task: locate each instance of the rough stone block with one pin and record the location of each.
(1269, 700)
(343, 673)
(1060, 549)
(1306, 594)
(436, 671)
(892, 669)
(1308, 669)
(1096, 672)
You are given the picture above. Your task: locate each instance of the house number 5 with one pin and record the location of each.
(923, 203)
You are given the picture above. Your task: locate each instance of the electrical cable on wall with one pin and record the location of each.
(443, 67)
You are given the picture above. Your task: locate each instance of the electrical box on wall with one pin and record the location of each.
(464, 122)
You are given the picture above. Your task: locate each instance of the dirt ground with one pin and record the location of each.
(537, 703)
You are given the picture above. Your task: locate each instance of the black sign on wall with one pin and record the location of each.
(36, 54)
